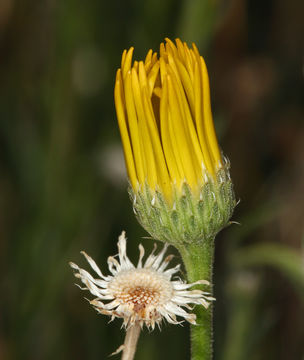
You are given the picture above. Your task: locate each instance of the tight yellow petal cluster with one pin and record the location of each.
(164, 115)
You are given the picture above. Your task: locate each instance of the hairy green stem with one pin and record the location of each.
(198, 260)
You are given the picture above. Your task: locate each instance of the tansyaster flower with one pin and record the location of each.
(144, 294)
(179, 180)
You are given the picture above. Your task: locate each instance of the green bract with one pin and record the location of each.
(191, 218)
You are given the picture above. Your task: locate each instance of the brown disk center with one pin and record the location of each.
(139, 296)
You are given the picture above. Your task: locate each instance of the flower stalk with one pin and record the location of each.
(129, 346)
(198, 261)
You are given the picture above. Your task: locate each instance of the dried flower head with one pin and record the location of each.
(144, 294)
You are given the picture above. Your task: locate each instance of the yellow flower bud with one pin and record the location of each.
(170, 146)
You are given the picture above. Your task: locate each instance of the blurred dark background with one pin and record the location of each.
(63, 184)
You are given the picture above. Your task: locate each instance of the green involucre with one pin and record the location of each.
(191, 218)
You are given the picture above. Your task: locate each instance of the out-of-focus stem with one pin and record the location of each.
(130, 343)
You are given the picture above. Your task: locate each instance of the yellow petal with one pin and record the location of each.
(122, 122)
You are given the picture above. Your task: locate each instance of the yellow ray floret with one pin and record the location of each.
(165, 120)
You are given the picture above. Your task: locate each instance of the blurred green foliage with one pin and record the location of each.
(62, 177)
